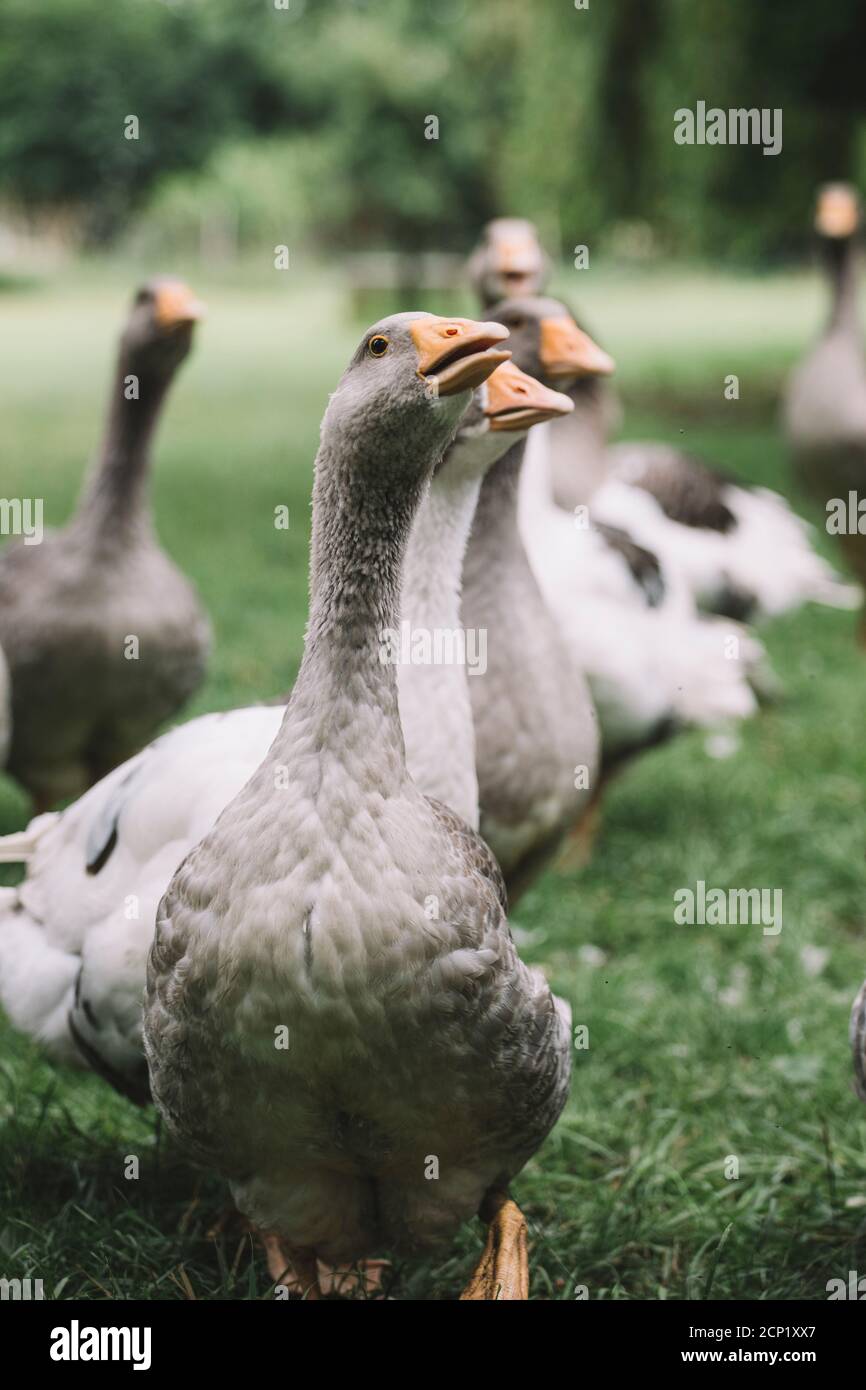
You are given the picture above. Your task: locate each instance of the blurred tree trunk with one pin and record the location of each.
(628, 56)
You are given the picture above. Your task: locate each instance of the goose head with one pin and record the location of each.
(508, 261)
(407, 386)
(837, 211)
(546, 342)
(158, 332)
(501, 412)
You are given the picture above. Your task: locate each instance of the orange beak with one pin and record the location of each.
(566, 351)
(516, 400)
(456, 355)
(838, 211)
(176, 304)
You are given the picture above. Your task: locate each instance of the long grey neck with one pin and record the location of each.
(360, 532)
(577, 446)
(114, 505)
(434, 558)
(435, 707)
(494, 529)
(500, 593)
(499, 588)
(842, 259)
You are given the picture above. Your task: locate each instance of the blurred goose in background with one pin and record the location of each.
(333, 898)
(105, 638)
(72, 957)
(5, 709)
(536, 731)
(825, 405)
(508, 261)
(742, 550)
(654, 665)
(628, 619)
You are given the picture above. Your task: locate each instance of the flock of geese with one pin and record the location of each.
(286, 924)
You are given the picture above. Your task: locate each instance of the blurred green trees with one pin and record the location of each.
(72, 71)
(543, 109)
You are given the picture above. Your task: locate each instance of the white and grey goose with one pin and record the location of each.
(69, 606)
(334, 899)
(742, 549)
(72, 956)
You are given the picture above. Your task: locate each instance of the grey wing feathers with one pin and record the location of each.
(134, 1084)
(478, 855)
(102, 835)
(643, 565)
(525, 1029)
(686, 489)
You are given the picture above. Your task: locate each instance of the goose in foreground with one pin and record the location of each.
(72, 957)
(825, 406)
(536, 731)
(72, 963)
(334, 899)
(104, 637)
(628, 620)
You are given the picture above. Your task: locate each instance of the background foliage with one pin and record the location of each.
(564, 114)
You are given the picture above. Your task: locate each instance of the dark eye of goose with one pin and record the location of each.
(516, 324)
(378, 346)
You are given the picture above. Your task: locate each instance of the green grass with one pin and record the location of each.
(704, 1042)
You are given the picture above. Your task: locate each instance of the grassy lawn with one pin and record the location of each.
(705, 1043)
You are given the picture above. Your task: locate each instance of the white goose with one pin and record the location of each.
(75, 935)
(742, 550)
(335, 900)
(652, 666)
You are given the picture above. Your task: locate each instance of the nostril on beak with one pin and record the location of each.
(451, 332)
